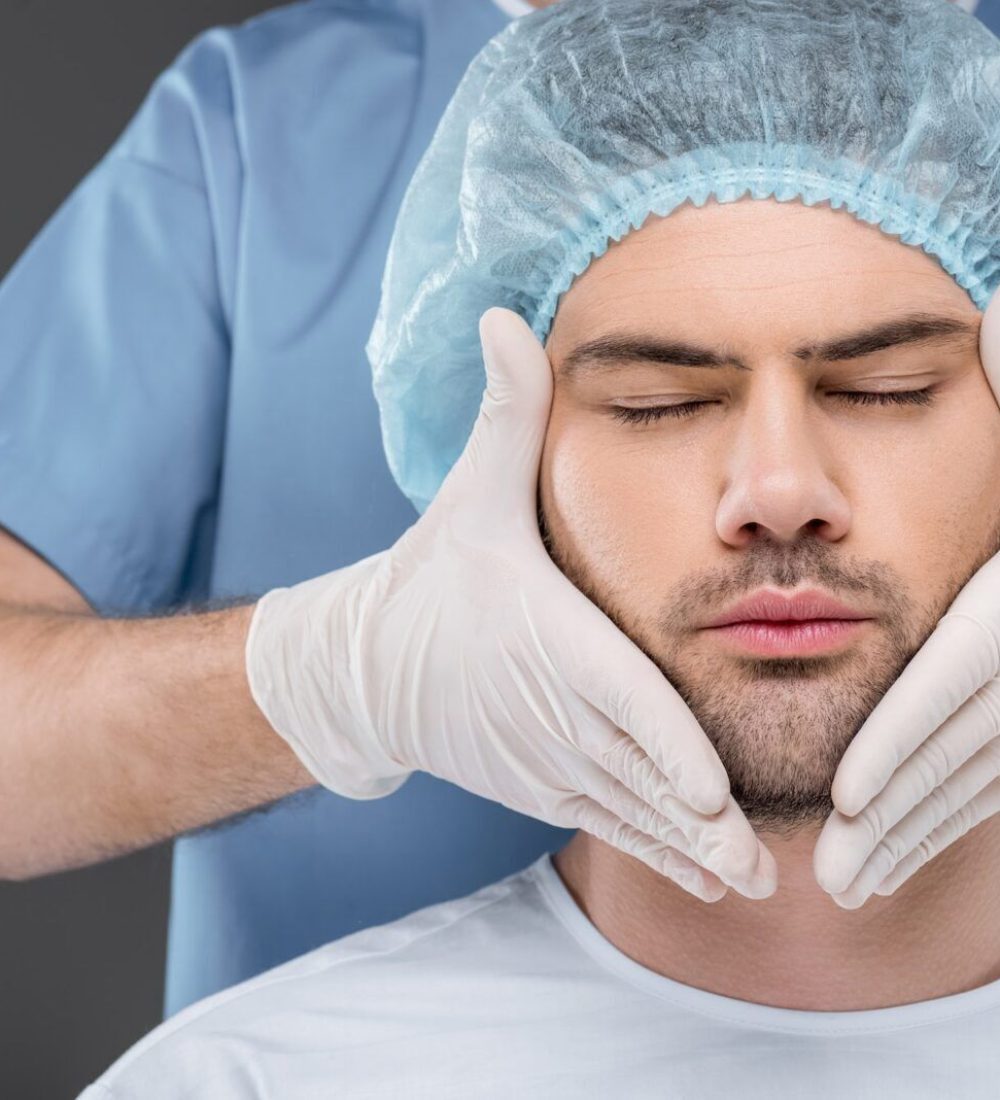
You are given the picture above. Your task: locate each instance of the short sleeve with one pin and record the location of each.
(114, 355)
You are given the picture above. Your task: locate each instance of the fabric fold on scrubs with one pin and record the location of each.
(114, 366)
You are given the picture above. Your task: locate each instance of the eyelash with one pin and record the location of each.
(858, 397)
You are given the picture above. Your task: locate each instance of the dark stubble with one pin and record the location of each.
(779, 725)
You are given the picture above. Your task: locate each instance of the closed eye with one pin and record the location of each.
(647, 413)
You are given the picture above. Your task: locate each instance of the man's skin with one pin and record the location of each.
(118, 733)
(777, 480)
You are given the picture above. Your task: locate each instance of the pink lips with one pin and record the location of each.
(771, 624)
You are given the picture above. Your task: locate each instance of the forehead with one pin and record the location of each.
(757, 272)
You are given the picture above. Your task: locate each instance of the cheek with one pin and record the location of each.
(611, 504)
(929, 503)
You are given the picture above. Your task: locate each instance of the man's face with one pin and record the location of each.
(777, 478)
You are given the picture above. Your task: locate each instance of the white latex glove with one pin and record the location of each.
(925, 766)
(463, 651)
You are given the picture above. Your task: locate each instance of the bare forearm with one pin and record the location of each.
(118, 733)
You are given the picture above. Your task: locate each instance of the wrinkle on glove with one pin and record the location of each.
(577, 122)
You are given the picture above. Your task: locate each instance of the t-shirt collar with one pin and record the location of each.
(740, 1013)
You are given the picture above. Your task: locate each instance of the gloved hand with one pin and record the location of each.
(925, 766)
(463, 651)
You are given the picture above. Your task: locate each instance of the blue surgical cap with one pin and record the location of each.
(577, 122)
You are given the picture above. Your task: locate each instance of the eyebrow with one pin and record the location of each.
(616, 348)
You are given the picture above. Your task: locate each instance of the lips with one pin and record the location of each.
(769, 605)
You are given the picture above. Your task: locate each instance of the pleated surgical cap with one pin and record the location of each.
(577, 122)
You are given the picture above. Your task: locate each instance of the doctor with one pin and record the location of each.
(186, 421)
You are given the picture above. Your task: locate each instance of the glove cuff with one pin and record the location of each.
(298, 667)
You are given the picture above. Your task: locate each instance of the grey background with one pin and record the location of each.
(82, 953)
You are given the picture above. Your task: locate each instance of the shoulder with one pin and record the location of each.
(355, 991)
(286, 38)
(245, 75)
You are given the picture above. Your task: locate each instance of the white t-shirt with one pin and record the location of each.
(512, 992)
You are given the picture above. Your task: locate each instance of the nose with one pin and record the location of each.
(778, 478)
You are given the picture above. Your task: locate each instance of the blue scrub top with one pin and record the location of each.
(186, 412)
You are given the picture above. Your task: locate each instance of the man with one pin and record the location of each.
(856, 467)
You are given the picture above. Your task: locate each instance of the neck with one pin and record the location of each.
(938, 934)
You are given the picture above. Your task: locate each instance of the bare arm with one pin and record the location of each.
(116, 733)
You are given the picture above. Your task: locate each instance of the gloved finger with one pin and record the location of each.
(761, 884)
(985, 804)
(607, 669)
(845, 844)
(633, 810)
(914, 835)
(583, 813)
(989, 345)
(615, 677)
(613, 795)
(496, 476)
(959, 656)
(637, 773)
